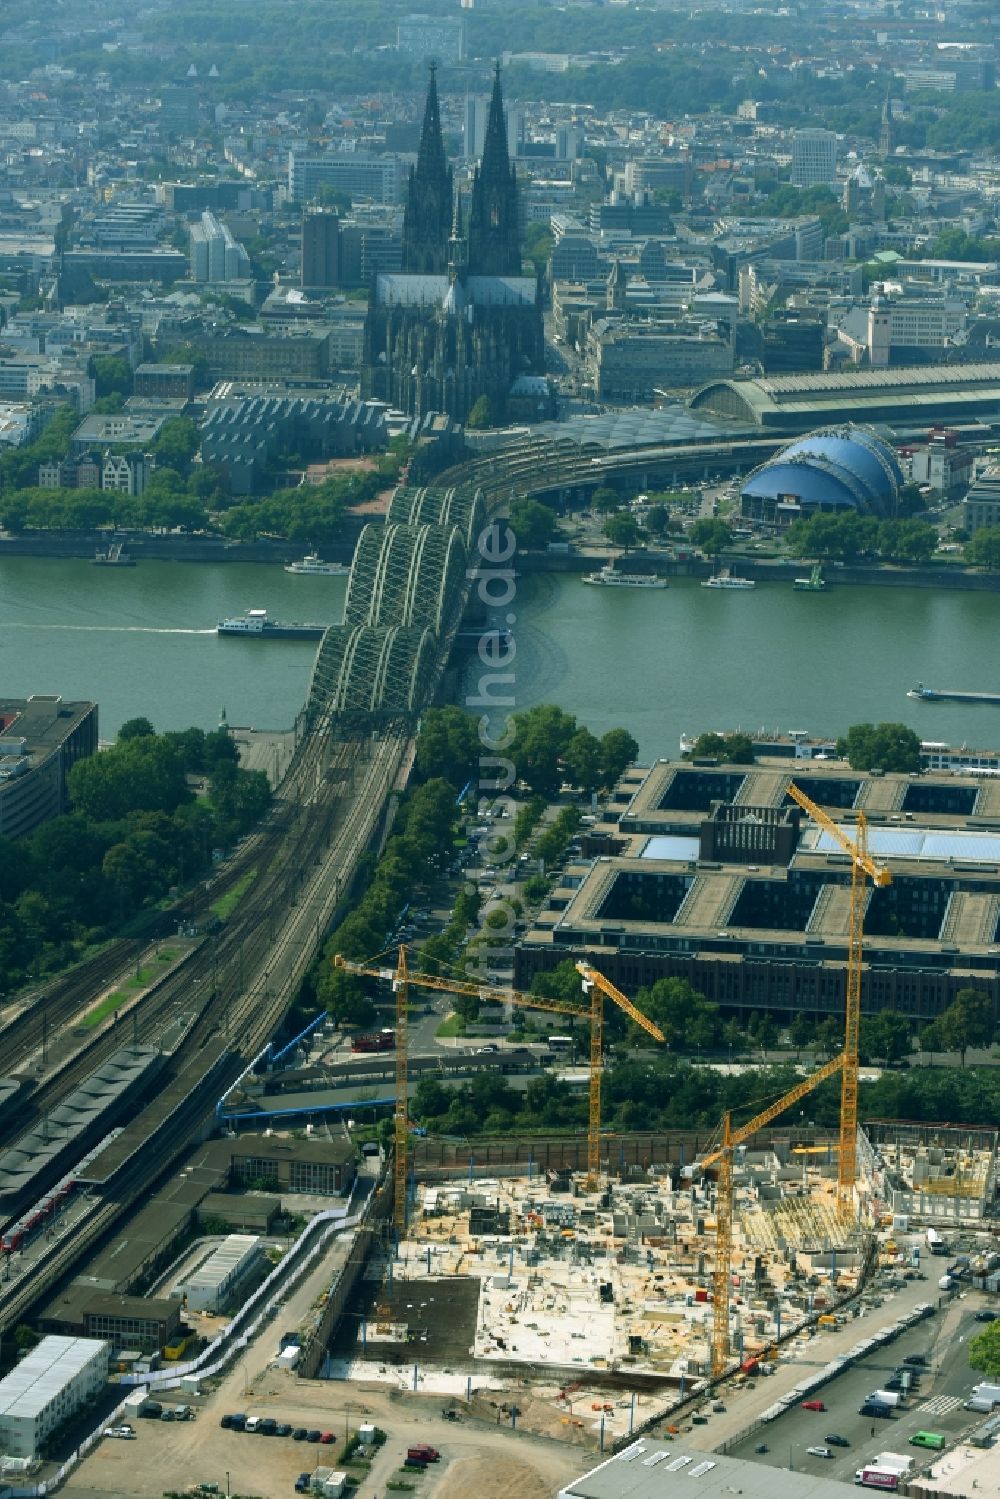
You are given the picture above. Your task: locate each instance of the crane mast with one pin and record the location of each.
(862, 867)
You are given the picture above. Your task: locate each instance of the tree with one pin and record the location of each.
(803, 1029)
(582, 760)
(622, 530)
(481, 415)
(112, 375)
(618, 750)
(533, 524)
(884, 746)
(138, 775)
(969, 1020)
(606, 500)
(829, 1036)
(984, 1351)
(712, 536)
(344, 997)
(448, 745)
(540, 741)
(732, 749)
(983, 550)
(907, 540)
(657, 519)
(176, 444)
(885, 1036)
(135, 728)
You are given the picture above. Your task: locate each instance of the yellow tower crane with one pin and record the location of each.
(862, 867)
(402, 977)
(723, 1156)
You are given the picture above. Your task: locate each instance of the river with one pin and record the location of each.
(142, 641)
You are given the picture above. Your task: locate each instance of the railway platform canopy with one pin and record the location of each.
(673, 425)
(904, 397)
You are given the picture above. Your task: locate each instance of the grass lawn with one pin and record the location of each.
(454, 1025)
(226, 904)
(103, 1010)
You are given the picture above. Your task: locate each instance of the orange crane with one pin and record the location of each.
(723, 1156)
(402, 977)
(862, 867)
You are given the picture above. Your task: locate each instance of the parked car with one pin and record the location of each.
(986, 1316)
(819, 1452)
(124, 1433)
(283, 1429)
(915, 1358)
(327, 1438)
(299, 1434)
(813, 1405)
(303, 1483)
(835, 1441)
(314, 1436)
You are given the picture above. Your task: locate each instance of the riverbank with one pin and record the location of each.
(875, 575)
(173, 546)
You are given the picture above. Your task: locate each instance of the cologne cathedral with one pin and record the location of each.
(459, 321)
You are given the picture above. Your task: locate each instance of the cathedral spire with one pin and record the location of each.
(494, 225)
(427, 214)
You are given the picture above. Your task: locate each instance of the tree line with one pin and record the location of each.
(135, 829)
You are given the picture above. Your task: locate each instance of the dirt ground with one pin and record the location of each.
(492, 1478)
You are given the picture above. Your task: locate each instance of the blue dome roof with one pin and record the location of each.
(836, 467)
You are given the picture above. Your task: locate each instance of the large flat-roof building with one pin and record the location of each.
(41, 739)
(709, 873)
(47, 1387)
(647, 1469)
(914, 396)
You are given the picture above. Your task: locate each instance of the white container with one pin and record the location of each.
(366, 1434)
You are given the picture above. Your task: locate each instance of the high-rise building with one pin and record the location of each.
(814, 157)
(215, 254)
(320, 249)
(477, 108)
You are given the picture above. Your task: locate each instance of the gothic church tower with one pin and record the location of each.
(427, 214)
(494, 225)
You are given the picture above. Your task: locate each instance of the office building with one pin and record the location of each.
(362, 178)
(46, 1389)
(710, 873)
(477, 109)
(814, 157)
(41, 739)
(982, 503)
(320, 249)
(215, 255)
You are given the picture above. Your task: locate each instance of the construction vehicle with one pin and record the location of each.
(862, 867)
(594, 984)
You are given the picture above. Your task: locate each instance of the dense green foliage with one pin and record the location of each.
(850, 536)
(549, 747)
(731, 749)
(984, 1351)
(666, 1092)
(533, 524)
(883, 746)
(135, 830)
(713, 536)
(449, 746)
(968, 1021)
(983, 549)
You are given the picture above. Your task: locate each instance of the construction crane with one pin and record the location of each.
(594, 983)
(723, 1156)
(862, 867)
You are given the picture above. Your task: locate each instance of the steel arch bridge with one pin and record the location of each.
(364, 671)
(406, 575)
(460, 505)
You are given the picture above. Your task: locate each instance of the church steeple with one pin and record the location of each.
(886, 139)
(494, 226)
(427, 214)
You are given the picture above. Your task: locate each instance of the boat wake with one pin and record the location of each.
(104, 629)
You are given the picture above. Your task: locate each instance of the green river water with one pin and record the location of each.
(142, 641)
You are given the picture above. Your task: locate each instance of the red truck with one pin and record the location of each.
(421, 1453)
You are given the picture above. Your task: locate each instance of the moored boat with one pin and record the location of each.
(311, 565)
(726, 578)
(610, 577)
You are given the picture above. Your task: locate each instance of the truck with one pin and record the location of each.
(878, 1478)
(891, 1398)
(875, 1408)
(898, 1460)
(946, 1283)
(422, 1453)
(935, 1243)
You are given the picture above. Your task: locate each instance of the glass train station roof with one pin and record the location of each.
(635, 428)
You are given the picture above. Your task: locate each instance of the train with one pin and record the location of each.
(21, 1231)
(383, 1040)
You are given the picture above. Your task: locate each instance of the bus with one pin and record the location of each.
(931, 1439)
(560, 1043)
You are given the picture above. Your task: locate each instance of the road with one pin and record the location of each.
(936, 1404)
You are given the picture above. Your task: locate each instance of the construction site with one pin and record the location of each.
(576, 1287)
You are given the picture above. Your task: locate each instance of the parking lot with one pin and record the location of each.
(936, 1404)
